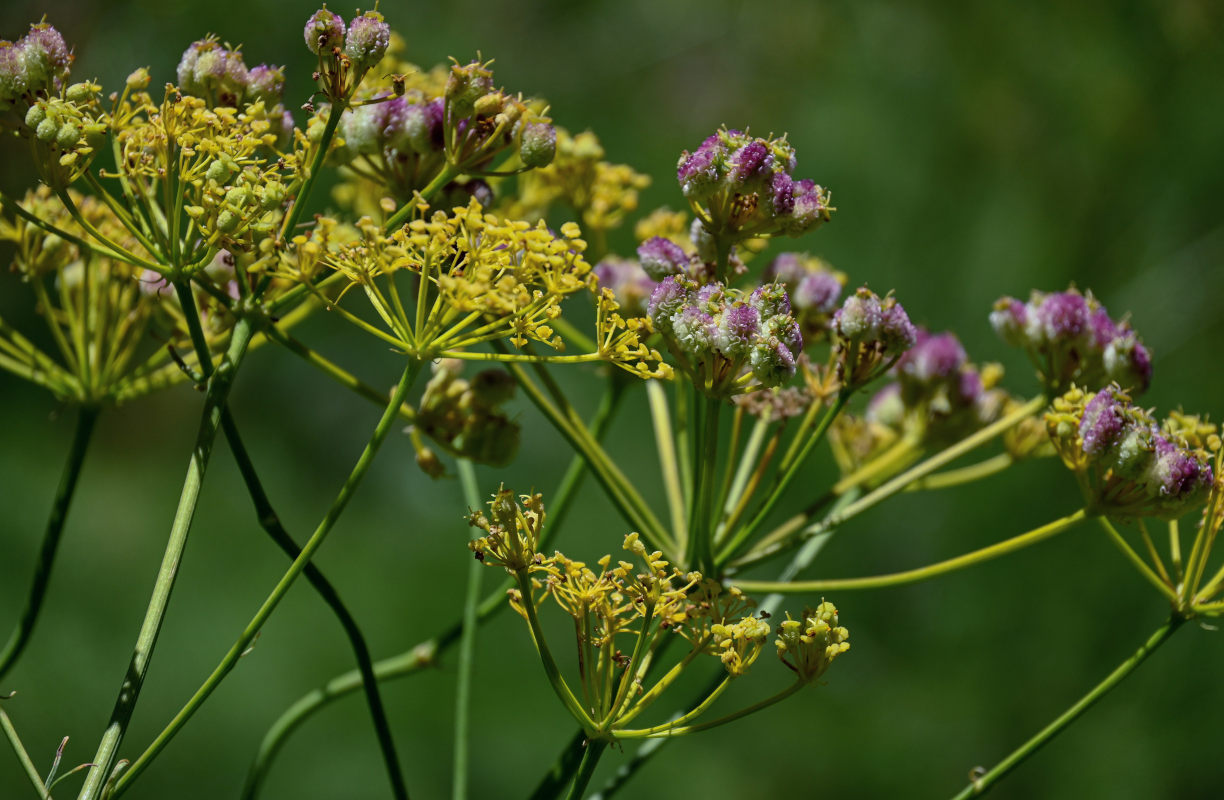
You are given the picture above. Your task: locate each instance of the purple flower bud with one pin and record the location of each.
(933, 358)
(43, 57)
(787, 268)
(266, 83)
(811, 208)
(324, 31)
(969, 387)
(897, 333)
(782, 194)
(817, 292)
(751, 162)
(771, 300)
(367, 40)
(12, 76)
(772, 364)
(1128, 362)
(628, 281)
(1102, 422)
(738, 330)
(695, 331)
(538, 145)
(662, 257)
(698, 172)
(1104, 330)
(1010, 320)
(362, 129)
(665, 301)
(1063, 315)
(859, 317)
(1176, 473)
(186, 67)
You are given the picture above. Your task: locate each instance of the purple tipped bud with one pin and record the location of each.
(187, 64)
(859, 317)
(12, 76)
(538, 146)
(1102, 422)
(933, 358)
(44, 55)
(751, 162)
(772, 363)
(695, 331)
(362, 129)
(738, 330)
(897, 333)
(1104, 330)
(666, 299)
(266, 83)
(1175, 473)
(1063, 315)
(367, 40)
(324, 31)
(771, 300)
(1128, 363)
(782, 194)
(811, 208)
(969, 387)
(1010, 320)
(698, 172)
(817, 292)
(662, 257)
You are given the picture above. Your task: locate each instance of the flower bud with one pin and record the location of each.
(538, 145)
(35, 116)
(662, 257)
(932, 359)
(772, 363)
(465, 85)
(138, 80)
(1102, 422)
(738, 330)
(368, 37)
(12, 74)
(492, 387)
(1128, 363)
(362, 129)
(324, 31)
(665, 301)
(266, 83)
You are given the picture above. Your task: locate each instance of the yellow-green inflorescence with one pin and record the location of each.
(624, 611)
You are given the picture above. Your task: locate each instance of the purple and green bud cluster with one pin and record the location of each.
(465, 417)
(69, 130)
(727, 340)
(1134, 467)
(482, 121)
(743, 186)
(814, 287)
(346, 53)
(32, 67)
(406, 132)
(220, 76)
(870, 333)
(938, 395)
(1072, 339)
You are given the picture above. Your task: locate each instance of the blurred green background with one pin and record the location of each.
(973, 150)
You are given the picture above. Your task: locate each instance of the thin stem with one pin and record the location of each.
(467, 644)
(87, 416)
(957, 477)
(1138, 562)
(705, 470)
(895, 485)
(282, 587)
(444, 177)
(922, 573)
(316, 164)
(270, 522)
(27, 764)
(129, 692)
(586, 768)
(563, 769)
(426, 653)
(551, 671)
(732, 717)
(898, 455)
(669, 465)
(983, 784)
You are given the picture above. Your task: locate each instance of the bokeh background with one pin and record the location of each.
(973, 149)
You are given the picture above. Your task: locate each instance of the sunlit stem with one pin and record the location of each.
(555, 679)
(313, 169)
(705, 469)
(747, 466)
(983, 784)
(282, 587)
(968, 474)
(922, 573)
(1175, 556)
(669, 465)
(1154, 555)
(23, 757)
(887, 463)
(1139, 564)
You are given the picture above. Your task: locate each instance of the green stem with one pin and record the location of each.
(922, 573)
(444, 177)
(467, 644)
(701, 531)
(561, 772)
(1139, 564)
(895, 485)
(956, 477)
(87, 416)
(551, 670)
(316, 164)
(660, 415)
(668, 731)
(282, 587)
(983, 784)
(270, 522)
(129, 692)
(745, 533)
(27, 764)
(586, 768)
(426, 653)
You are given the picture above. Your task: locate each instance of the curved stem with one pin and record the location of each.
(426, 653)
(922, 573)
(983, 784)
(87, 416)
(282, 587)
(129, 692)
(271, 523)
(1138, 562)
(467, 645)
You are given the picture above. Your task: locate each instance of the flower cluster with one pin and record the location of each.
(809, 644)
(727, 340)
(1071, 338)
(32, 67)
(512, 531)
(68, 130)
(1129, 465)
(741, 187)
(345, 54)
(220, 77)
(814, 288)
(870, 335)
(465, 417)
